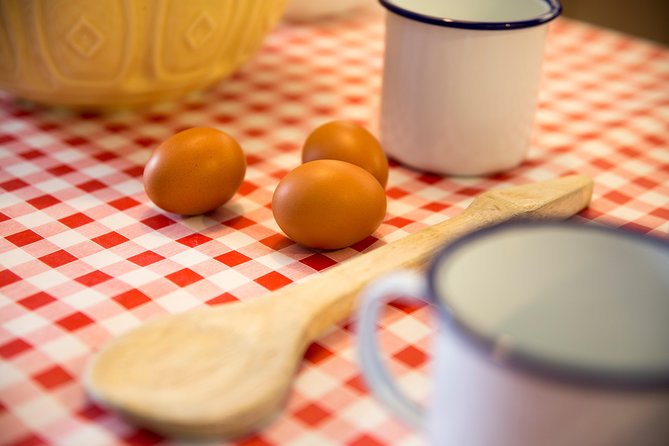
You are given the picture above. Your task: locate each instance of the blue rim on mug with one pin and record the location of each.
(524, 361)
(555, 9)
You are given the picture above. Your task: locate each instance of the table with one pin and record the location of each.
(84, 256)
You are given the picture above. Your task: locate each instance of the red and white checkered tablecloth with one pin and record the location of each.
(84, 256)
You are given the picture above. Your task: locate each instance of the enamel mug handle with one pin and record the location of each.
(375, 373)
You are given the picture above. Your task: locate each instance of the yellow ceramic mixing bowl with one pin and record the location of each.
(125, 52)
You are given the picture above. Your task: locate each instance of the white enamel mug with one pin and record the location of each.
(549, 334)
(461, 81)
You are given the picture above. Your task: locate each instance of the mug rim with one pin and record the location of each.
(555, 9)
(525, 361)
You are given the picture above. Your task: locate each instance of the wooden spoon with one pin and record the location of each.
(227, 370)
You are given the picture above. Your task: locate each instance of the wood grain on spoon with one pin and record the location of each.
(226, 370)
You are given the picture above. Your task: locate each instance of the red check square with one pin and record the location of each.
(646, 183)
(239, 222)
(318, 261)
(396, 192)
(184, 277)
(194, 240)
(232, 258)
(91, 412)
(428, 178)
(58, 258)
(53, 377)
(400, 222)
(435, 207)
(411, 356)
(246, 188)
(273, 281)
(276, 241)
(143, 437)
(312, 414)
(134, 171)
(123, 203)
(661, 212)
(222, 299)
(131, 299)
(91, 186)
(44, 201)
(60, 170)
(110, 239)
(76, 141)
(157, 221)
(469, 191)
(617, 197)
(76, 220)
(8, 277)
(357, 383)
(5, 138)
(316, 353)
(32, 154)
(37, 300)
(31, 440)
(406, 306)
(146, 258)
(93, 278)
(364, 243)
(105, 155)
(14, 184)
(24, 238)
(602, 163)
(365, 440)
(75, 321)
(14, 348)
(146, 141)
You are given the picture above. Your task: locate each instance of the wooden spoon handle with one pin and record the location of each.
(330, 297)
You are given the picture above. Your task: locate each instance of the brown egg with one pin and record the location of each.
(195, 171)
(347, 141)
(328, 204)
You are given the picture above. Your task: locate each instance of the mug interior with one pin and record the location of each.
(486, 14)
(580, 300)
